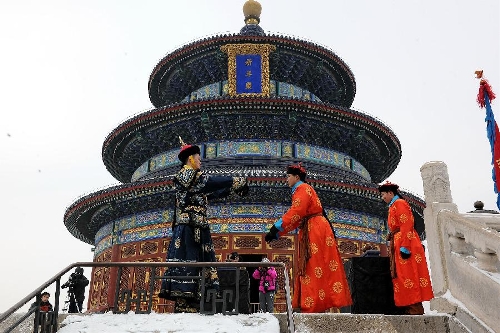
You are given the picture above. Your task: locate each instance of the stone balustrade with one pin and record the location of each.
(463, 254)
(472, 236)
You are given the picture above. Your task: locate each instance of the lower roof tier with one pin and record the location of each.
(363, 138)
(85, 217)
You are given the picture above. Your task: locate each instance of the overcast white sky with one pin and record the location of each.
(71, 71)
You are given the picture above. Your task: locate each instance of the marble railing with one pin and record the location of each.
(464, 252)
(471, 235)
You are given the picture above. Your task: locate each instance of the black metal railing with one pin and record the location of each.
(141, 300)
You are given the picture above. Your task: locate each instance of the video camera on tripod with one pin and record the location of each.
(70, 283)
(76, 286)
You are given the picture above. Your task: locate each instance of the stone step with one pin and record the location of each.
(333, 323)
(369, 323)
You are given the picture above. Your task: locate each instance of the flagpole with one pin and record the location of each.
(484, 97)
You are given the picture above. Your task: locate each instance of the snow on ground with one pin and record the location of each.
(170, 323)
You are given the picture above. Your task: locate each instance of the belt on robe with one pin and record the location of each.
(392, 255)
(304, 251)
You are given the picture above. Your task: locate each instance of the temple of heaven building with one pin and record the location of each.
(254, 102)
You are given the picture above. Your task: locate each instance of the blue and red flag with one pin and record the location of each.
(484, 98)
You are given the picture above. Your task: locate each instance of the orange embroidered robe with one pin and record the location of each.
(412, 284)
(324, 284)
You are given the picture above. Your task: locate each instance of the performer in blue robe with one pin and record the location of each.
(191, 240)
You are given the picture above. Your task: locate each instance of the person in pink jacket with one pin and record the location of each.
(267, 286)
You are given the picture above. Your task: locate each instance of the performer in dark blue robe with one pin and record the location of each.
(191, 240)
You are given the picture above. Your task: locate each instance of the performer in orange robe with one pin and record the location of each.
(320, 283)
(410, 276)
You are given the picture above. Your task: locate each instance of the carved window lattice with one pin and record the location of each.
(220, 242)
(282, 258)
(369, 246)
(105, 286)
(158, 271)
(141, 278)
(125, 278)
(247, 242)
(280, 279)
(281, 243)
(104, 257)
(99, 291)
(348, 247)
(149, 248)
(128, 251)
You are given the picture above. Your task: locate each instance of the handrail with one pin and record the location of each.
(474, 232)
(57, 278)
(38, 290)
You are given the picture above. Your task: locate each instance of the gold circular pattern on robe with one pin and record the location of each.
(309, 302)
(314, 248)
(333, 265)
(403, 217)
(408, 283)
(309, 191)
(330, 241)
(318, 272)
(296, 202)
(321, 294)
(337, 287)
(418, 258)
(295, 218)
(396, 287)
(306, 279)
(424, 282)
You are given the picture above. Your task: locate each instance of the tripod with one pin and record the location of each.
(71, 305)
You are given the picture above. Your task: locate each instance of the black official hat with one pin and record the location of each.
(297, 169)
(187, 150)
(388, 187)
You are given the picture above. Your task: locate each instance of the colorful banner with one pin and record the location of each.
(484, 96)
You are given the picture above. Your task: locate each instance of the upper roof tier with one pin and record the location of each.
(298, 62)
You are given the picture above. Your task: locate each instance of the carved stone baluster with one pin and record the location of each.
(458, 244)
(486, 261)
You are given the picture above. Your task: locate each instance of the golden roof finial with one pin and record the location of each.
(252, 10)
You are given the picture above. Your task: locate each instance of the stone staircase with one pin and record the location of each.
(346, 323)
(369, 323)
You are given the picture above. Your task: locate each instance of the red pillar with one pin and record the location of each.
(113, 272)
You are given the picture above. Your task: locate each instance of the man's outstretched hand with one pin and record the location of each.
(405, 253)
(272, 234)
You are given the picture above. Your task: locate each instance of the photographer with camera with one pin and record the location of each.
(267, 286)
(76, 290)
